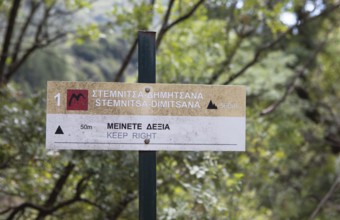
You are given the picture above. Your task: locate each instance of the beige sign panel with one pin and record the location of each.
(145, 99)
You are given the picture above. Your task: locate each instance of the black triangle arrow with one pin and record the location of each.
(59, 130)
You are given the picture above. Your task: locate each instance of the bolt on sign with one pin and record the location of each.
(122, 116)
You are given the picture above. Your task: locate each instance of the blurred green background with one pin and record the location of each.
(286, 53)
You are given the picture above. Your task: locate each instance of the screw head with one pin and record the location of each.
(147, 90)
(146, 141)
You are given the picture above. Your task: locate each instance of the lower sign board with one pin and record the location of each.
(123, 116)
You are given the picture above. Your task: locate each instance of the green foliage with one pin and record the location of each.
(133, 16)
(292, 157)
(47, 64)
(29, 173)
(4, 7)
(89, 32)
(77, 4)
(98, 60)
(184, 54)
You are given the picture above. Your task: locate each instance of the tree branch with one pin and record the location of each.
(5, 211)
(186, 16)
(256, 56)
(29, 52)
(291, 85)
(91, 203)
(129, 55)
(289, 90)
(126, 61)
(228, 60)
(34, 7)
(43, 22)
(8, 37)
(166, 28)
(325, 198)
(271, 44)
(122, 205)
(59, 184)
(56, 191)
(38, 43)
(81, 185)
(48, 209)
(23, 207)
(165, 23)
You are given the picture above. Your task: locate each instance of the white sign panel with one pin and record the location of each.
(117, 116)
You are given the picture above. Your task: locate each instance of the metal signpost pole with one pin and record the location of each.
(147, 159)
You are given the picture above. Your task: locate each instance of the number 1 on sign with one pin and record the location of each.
(57, 98)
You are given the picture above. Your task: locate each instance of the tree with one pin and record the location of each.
(30, 26)
(165, 26)
(291, 167)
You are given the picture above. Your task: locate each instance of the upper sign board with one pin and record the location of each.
(122, 116)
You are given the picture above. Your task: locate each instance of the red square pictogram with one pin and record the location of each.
(77, 99)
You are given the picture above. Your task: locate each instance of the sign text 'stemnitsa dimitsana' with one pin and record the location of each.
(121, 116)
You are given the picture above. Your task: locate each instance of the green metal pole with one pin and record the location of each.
(147, 159)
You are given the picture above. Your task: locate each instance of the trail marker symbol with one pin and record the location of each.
(77, 99)
(211, 105)
(59, 130)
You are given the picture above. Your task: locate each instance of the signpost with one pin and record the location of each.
(147, 159)
(145, 117)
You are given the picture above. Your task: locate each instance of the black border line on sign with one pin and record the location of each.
(139, 143)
